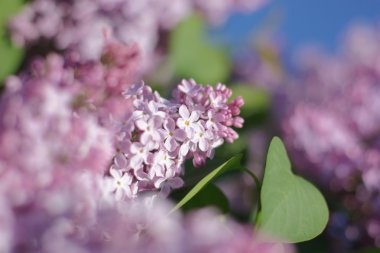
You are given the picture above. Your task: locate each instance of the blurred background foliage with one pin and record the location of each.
(10, 55)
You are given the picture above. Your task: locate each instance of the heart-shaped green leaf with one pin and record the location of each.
(233, 163)
(293, 210)
(193, 57)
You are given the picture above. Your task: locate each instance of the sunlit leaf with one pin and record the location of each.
(236, 147)
(293, 210)
(193, 57)
(10, 56)
(233, 163)
(256, 100)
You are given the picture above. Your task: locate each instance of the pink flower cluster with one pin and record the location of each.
(140, 226)
(82, 25)
(56, 121)
(57, 132)
(332, 131)
(43, 140)
(93, 86)
(52, 158)
(159, 135)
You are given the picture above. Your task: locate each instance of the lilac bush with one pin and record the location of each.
(55, 154)
(64, 121)
(90, 153)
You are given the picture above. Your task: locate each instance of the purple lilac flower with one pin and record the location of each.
(139, 226)
(85, 25)
(63, 121)
(215, 236)
(92, 86)
(332, 130)
(43, 139)
(52, 159)
(164, 133)
(53, 193)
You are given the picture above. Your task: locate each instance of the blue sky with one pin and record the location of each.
(300, 22)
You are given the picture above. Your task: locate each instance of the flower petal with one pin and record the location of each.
(135, 147)
(136, 162)
(194, 117)
(170, 144)
(141, 124)
(120, 161)
(119, 194)
(203, 144)
(115, 173)
(181, 123)
(179, 134)
(169, 124)
(152, 106)
(184, 112)
(145, 137)
(176, 182)
(184, 149)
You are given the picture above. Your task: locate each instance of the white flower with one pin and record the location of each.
(150, 129)
(165, 159)
(171, 135)
(187, 121)
(201, 137)
(140, 153)
(121, 184)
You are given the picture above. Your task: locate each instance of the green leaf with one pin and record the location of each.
(374, 250)
(256, 100)
(210, 195)
(293, 210)
(238, 146)
(8, 8)
(233, 163)
(10, 56)
(193, 57)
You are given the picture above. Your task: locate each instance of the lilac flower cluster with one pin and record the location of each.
(56, 127)
(159, 135)
(52, 158)
(42, 139)
(61, 121)
(332, 130)
(84, 25)
(139, 226)
(92, 86)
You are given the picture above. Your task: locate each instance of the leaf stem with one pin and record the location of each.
(258, 187)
